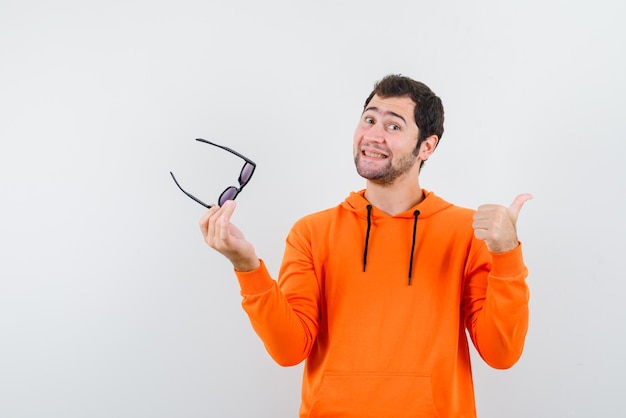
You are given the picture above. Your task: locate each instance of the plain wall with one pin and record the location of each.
(111, 305)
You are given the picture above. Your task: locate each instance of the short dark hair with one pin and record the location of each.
(428, 107)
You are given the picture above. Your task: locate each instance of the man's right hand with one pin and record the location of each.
(226, 238)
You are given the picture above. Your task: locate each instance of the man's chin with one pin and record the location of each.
(375, 178)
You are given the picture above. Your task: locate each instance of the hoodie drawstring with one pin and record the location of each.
(367, 234)
(416, 213)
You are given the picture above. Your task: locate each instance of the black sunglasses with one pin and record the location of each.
(231, 192)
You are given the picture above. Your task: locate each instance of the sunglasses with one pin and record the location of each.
(231, 192)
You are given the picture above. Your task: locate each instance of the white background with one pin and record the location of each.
(111, 305)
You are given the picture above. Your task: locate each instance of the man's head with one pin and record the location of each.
(428, 114)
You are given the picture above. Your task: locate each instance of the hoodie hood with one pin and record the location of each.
(431, 204)
(360, 206)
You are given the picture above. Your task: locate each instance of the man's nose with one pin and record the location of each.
(375, 133)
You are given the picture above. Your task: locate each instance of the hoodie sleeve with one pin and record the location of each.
(284, 314)
(495, 305)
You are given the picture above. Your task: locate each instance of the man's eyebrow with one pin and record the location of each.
(388, 112)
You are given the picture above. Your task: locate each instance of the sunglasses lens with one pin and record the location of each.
(228, 194)
(246, 173)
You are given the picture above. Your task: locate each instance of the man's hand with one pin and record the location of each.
(226, 238)
(495, 224)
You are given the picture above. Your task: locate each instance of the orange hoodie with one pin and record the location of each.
(380, 312)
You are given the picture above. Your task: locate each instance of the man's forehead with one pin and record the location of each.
(403, 105)
(396, 102)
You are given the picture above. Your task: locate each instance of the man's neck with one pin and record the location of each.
(395, 198)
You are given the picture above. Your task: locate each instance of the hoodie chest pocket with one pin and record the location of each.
(374, 395)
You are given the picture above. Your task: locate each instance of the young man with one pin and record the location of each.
(377, 293)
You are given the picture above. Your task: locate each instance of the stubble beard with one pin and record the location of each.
(388, 173)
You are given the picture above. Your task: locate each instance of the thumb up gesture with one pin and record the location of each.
(495, 224)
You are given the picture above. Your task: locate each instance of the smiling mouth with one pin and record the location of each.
(374, 155)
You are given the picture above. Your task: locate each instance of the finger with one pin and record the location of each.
(519, 201)
(224, 221)
(204, 220)
(486, 211)
(481, 234)
(483, 224)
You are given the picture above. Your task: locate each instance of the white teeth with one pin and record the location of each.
(373, 154)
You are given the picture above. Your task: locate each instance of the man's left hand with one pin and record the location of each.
(495, 224)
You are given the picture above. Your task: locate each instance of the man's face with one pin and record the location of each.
(385, 140)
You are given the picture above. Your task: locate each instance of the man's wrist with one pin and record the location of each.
(247, 265)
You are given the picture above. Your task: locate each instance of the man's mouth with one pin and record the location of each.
(372, 154)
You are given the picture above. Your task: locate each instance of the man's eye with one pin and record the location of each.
(368, 119)
(394, 127)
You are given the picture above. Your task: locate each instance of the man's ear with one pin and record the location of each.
(428, 147)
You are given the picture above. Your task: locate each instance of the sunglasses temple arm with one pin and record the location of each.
(189, 194)
(232, 151)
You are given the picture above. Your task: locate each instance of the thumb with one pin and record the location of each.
(517, 204)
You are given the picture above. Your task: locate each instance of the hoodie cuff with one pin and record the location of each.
(255, 281)
(508, 265)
